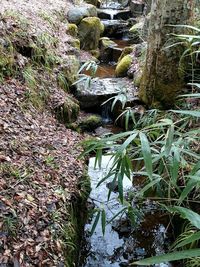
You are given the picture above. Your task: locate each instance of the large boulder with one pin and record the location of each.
(89, 32)
(77, 13)
(101, 90)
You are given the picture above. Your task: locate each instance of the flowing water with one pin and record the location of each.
(123, 242)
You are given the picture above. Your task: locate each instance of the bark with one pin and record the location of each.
(161, 80)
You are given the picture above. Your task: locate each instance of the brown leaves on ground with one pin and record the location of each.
(39, 173)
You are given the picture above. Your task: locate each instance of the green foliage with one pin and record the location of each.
(174, 256)
(190, 42)
(90, 66)
(163, 147)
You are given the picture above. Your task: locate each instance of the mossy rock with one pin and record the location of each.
(92, 2)
(77, 13)
(75, 43)
(95, 53)
(123, 66)
(136, 28)
(68, 111)
(102, 27)
(70, 68)
(90, 123)
(72, 29)
(126, 51)
(105, 42)
(89, 31)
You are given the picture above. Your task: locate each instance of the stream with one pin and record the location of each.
(123, 243)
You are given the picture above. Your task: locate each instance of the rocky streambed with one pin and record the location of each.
(119, 51)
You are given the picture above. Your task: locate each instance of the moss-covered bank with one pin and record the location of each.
(73, 231)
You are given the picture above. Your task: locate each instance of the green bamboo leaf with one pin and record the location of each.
(174, 256)
(103, 221)
(128, 141)
(188, 214)
(95, 222)
(193, 113)
(174, 168)
(190, 95)
(189, 187)
(148, 186)
(169, 140)
(117, 214)
(120, 187)
(98, 158)
(185, 26)
(194, 237)
(146, 151)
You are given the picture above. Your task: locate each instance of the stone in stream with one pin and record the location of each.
(137, 7)
(115, 28)
(89, 32)
(77, 13)
(101, 90)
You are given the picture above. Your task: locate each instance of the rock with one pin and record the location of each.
(101, 90)
(123, 14)
(90, 123)
(72, 29)
(109, 50)
(126, 51)
(122, 227)
(68, 111)
(115, 28)
(95, 53)
(70, 68)
(92, 2)
(77, 13)
(89, 32)
(137, 30)
(75, 43)
(116, 53)
(105, 42)
(137, 7)
(123, 66)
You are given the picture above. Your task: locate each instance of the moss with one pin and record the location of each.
(68, 111)
(75, 43)
(90, 123)
(160, 94)
(123, 66)
(73, 231)
(90, 29)
(72, 29)
(105, 42)
(92, 2)
(136, 29)
(95, 53)
(102, 28)
(126, 51)
(70, 68)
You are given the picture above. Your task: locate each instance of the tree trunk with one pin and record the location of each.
(161, 81)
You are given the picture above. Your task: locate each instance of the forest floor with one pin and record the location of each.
(39, 170)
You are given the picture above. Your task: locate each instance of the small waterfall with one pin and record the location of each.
(106, 112)
(110, 4)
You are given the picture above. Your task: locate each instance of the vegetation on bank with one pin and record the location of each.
(163, 148)
(40, 174)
